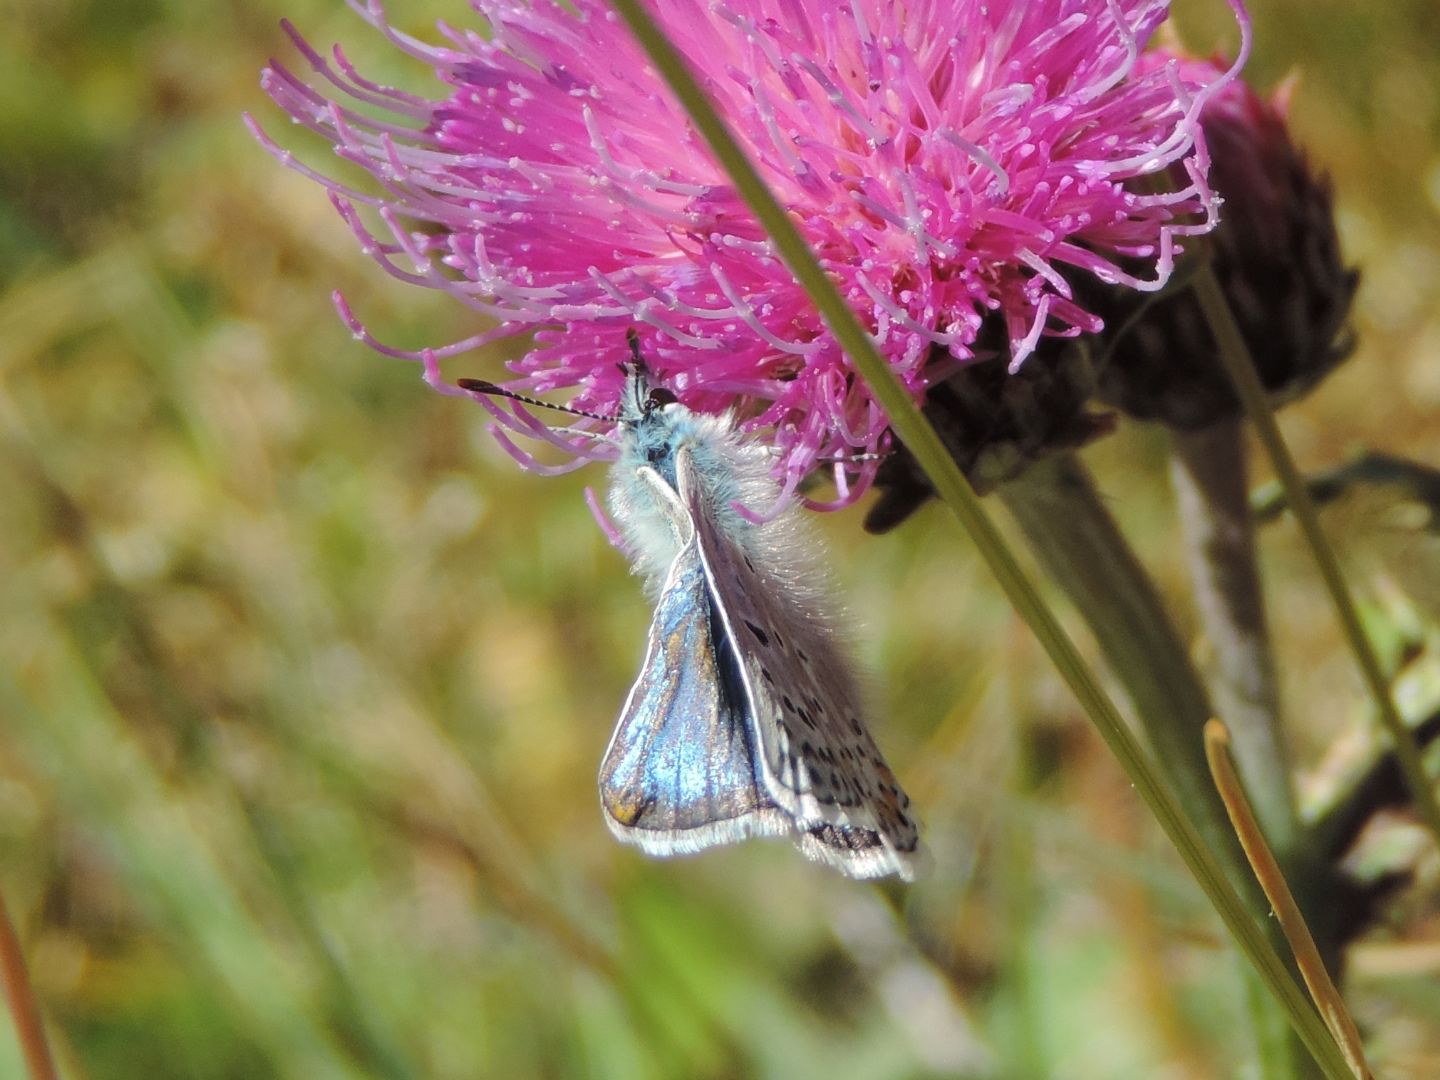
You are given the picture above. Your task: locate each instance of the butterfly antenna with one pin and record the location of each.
(483, 386)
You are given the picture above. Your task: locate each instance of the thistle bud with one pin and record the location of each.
(1277, 258)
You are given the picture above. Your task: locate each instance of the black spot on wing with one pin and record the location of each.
(846, 837)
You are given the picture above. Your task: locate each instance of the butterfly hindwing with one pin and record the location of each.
(818, 761)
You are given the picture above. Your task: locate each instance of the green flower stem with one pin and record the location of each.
(1079, 545)
(1081, 548)
(1208, 471)
(1236, 359)
(950, 484)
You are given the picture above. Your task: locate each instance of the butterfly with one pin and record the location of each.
(745, 719)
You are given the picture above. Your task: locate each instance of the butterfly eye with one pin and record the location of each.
(659, 398)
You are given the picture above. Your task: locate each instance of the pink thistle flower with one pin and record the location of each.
(951, 162)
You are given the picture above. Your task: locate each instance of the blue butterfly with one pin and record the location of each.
(745, 719)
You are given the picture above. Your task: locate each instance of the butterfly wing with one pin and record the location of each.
(819, 763)
(682, 772)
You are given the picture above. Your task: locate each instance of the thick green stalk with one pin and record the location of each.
(1209, 473)
(1080, 546)
(950, 484)
(1238, 364)
(1208, 469)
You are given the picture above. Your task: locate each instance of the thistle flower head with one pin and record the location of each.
(1277, 258)
(950, 161)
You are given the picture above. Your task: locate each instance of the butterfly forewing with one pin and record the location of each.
(682, 772)
(819, 762)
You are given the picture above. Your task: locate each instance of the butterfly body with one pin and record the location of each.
(745, 719)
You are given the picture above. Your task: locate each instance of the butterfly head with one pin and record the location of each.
(653, 422)
(640, 401)
(650, 421)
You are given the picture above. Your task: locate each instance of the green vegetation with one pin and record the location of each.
(303, 684)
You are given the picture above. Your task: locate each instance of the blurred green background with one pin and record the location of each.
(303, 685)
